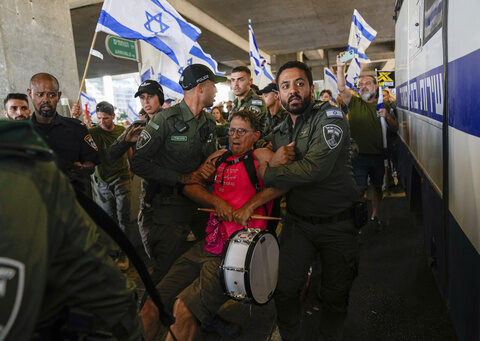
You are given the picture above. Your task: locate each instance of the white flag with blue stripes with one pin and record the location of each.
(361, 35)
(262, 71)
(331, 82)
(353, 73)
(383, 122)
(169, 73)
(154, 21)
(147, 72)
(132, 115)
(91, 105)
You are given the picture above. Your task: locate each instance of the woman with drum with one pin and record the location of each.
(192, 288)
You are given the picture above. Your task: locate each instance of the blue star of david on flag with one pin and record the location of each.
(156, 20)
(189, 62)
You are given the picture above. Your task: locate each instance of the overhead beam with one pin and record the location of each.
(201, 18)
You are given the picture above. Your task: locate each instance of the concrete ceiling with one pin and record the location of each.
(318, 28)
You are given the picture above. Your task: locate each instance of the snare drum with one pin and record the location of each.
(249, 268)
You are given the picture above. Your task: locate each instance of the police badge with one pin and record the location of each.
(332, 135)
(143, 139)
(12, 281)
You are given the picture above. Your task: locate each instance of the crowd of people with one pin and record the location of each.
(271, 144)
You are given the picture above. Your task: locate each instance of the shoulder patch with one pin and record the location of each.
(333, 135)
(89, 139)
(12, 282)
(254, 108)
(143, 139)
(334, 113)
(257, 102)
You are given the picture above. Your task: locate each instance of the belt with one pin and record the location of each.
(345, 215)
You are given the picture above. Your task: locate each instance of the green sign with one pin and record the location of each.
(121, 48)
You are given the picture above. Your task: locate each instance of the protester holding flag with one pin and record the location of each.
(247, 99)
(172, 146)
(366, 130)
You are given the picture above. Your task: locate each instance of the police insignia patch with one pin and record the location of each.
(143, 139)
(254, 108)
(334, 113)
(332, 135)
(12, 281)
(89, 139)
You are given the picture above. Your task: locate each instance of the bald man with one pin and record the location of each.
(69, 138)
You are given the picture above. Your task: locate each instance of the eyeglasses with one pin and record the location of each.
(240, 131)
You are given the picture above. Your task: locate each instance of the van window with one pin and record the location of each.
(432, 18)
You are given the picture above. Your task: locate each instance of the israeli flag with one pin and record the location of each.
(169, 73)
(383, 122)
(90, 103)
(132, 115)
(154, 21)
(199, 57)
(262, 71)
(353, 73)
(147, 72)
(331, 82)
(361, 35)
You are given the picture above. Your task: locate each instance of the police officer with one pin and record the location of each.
(247, 99)
(152, 98)
(170, 149)
(52, 267)
(69, 138)
(321, 191)
(276, 113)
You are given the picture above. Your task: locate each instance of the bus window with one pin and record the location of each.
(432, 18)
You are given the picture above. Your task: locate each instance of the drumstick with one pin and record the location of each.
(254, 216)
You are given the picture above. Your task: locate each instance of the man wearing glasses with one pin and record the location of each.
(366, 130)
(69, 138)
(192, 287)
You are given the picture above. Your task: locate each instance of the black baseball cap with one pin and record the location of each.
(151, 87)
(272, 87)
(195, 74)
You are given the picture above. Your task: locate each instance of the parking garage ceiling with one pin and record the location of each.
(318, 28)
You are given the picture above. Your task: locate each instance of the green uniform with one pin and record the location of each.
(365, 126)
(269, 122)
(50, 258)
(109, 169)
(145, 212)
(111, 180)
(321, 193)
(173, 143)
(251, 102)
(320, 182)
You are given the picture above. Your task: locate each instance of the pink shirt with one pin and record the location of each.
(237, 189)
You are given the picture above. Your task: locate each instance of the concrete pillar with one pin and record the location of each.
(281, 59)
(317, 72)
(36, 36)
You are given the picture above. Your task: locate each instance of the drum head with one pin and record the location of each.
(263, 267)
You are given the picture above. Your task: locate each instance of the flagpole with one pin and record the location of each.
(86, 67)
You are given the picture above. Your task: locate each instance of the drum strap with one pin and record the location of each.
(249, 163)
